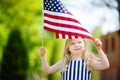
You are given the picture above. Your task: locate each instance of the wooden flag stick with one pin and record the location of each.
(42, 23)
(42, 37)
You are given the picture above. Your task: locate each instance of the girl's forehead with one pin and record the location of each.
(74, 40)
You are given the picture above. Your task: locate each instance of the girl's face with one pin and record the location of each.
(76, 46)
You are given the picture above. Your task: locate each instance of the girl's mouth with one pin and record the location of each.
(77, 49)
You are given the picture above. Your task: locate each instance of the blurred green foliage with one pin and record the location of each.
(15, 58)
(97, 34)
(26, 16)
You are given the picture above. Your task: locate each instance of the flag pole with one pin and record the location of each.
(42, 37)
(42, 23)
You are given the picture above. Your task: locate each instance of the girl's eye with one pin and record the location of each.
(72, 43)
(79, 42)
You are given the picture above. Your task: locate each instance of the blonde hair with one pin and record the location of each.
(67, 54)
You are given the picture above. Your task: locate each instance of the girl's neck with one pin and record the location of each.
(77, 56)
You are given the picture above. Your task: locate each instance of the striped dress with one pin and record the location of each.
(77, 70)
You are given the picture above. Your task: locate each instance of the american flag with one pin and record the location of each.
(59, 20)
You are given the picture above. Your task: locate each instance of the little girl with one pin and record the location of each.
(77, 60)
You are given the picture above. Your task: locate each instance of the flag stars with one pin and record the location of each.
(50, 6)
(45, 3)
(54, 5)
(65, 11)
(61, 10)
(57, 5)
(56, 10)
(55, 2)
(50, 1)
(51, 9)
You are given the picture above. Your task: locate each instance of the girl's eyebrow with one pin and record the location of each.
(72, 42)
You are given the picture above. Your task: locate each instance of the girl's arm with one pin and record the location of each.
(103, 63)
(46, 68)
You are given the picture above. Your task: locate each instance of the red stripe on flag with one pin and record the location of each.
(61, 18)
(65, 25)
(63, 35)
(70, 36)
(69, 33)
(57, 35)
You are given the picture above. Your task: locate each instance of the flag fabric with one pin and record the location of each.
(59, 20)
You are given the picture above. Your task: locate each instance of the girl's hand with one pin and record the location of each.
(98, 43)
(42, 51)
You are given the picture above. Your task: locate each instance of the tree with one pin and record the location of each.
(111, 4)
(15, 58)
(26, 15)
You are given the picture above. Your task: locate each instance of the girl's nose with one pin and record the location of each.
(76, 44)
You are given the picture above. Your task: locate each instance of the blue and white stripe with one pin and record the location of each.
(77, 70)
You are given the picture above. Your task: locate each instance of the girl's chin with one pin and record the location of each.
(77, 53)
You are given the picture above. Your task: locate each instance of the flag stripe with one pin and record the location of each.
(56, 28)
(61, 16)
(70, 34)
(63, 21)
(64, 25)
